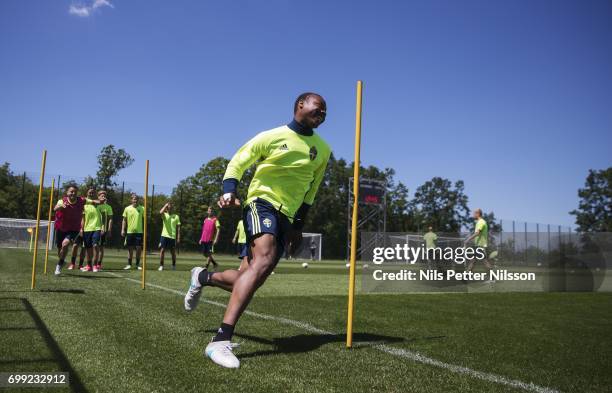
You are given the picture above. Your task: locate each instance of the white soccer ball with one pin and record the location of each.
(348, 265)
(365, 266)
(539, 264)
(305, 265)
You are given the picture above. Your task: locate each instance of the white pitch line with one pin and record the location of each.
(404, 353)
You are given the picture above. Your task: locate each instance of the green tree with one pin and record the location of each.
(441, 204)
(110, 162)
(194, 194)
(594, 213)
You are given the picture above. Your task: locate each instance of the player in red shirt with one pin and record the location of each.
(68, 215)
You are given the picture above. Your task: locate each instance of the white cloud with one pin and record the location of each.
(101, 3)
(86, 10)
(79, 10)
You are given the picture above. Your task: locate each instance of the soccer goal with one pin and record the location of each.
(310, 248)
(19, 233)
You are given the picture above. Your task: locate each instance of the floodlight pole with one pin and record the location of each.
(49, 224)
(40, 191)
(351, 295)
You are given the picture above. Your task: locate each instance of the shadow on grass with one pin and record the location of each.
(58, 355)
(66, 290)
(309, 342)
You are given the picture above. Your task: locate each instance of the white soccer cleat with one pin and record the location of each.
(195, 290)
(160, 268)
(127, 267)
(221, 353)
(58, 270)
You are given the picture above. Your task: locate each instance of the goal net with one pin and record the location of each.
(310, 249)
(20, 233)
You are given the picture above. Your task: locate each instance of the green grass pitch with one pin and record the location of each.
(113, 336)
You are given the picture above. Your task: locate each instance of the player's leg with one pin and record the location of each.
(75, 251)
(128, 241)
(101, 250)
(66, 245)
(82, 253)
(265, 257)
(211, 259)
(173, 253)
(264, 251)
(225, 279)
(138, 254)
(88, 248)
(96, 251)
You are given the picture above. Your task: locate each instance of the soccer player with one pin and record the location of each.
(430, 242)
(68, 215)
(313, 249)
(106, 213)
(91, 226)
(132, 229)
(78, 242)
(292, 161)
(480, 237)
(170, 236)
(209, 237)
(240, 240)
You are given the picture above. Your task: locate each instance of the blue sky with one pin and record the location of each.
(514, 97)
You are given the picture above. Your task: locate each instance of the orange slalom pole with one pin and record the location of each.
(40, 192)
(49, 224)
(351, 294)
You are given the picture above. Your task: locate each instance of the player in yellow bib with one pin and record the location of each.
(240, 239)
(170, 236)
(91, 226)
(291, 162)
(106, 214)
(132, 228)
(481, 239)
(430, 242)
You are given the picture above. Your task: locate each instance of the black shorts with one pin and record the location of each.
(260, 216)
(91, 239)
(167, 243)
(243, 250)
(102, 238)
(207, 248)
(61, 235)
(133, 240)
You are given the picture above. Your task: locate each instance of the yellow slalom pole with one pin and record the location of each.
(40, 191)
(144, 237)
(351, 296)
(49, 224)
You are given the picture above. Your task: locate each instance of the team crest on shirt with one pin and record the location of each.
(313, 153)
(267, 222)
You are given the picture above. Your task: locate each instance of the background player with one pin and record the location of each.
(481, 239)
(78, 242)
(106, 213)
(292, 161)
(91, 226)
(170, 236)
(313, 249)
(240, 240)
(209, 237)
(132, 228)
(430, 242)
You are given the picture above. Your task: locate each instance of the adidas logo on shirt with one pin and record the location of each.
(284, 147)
